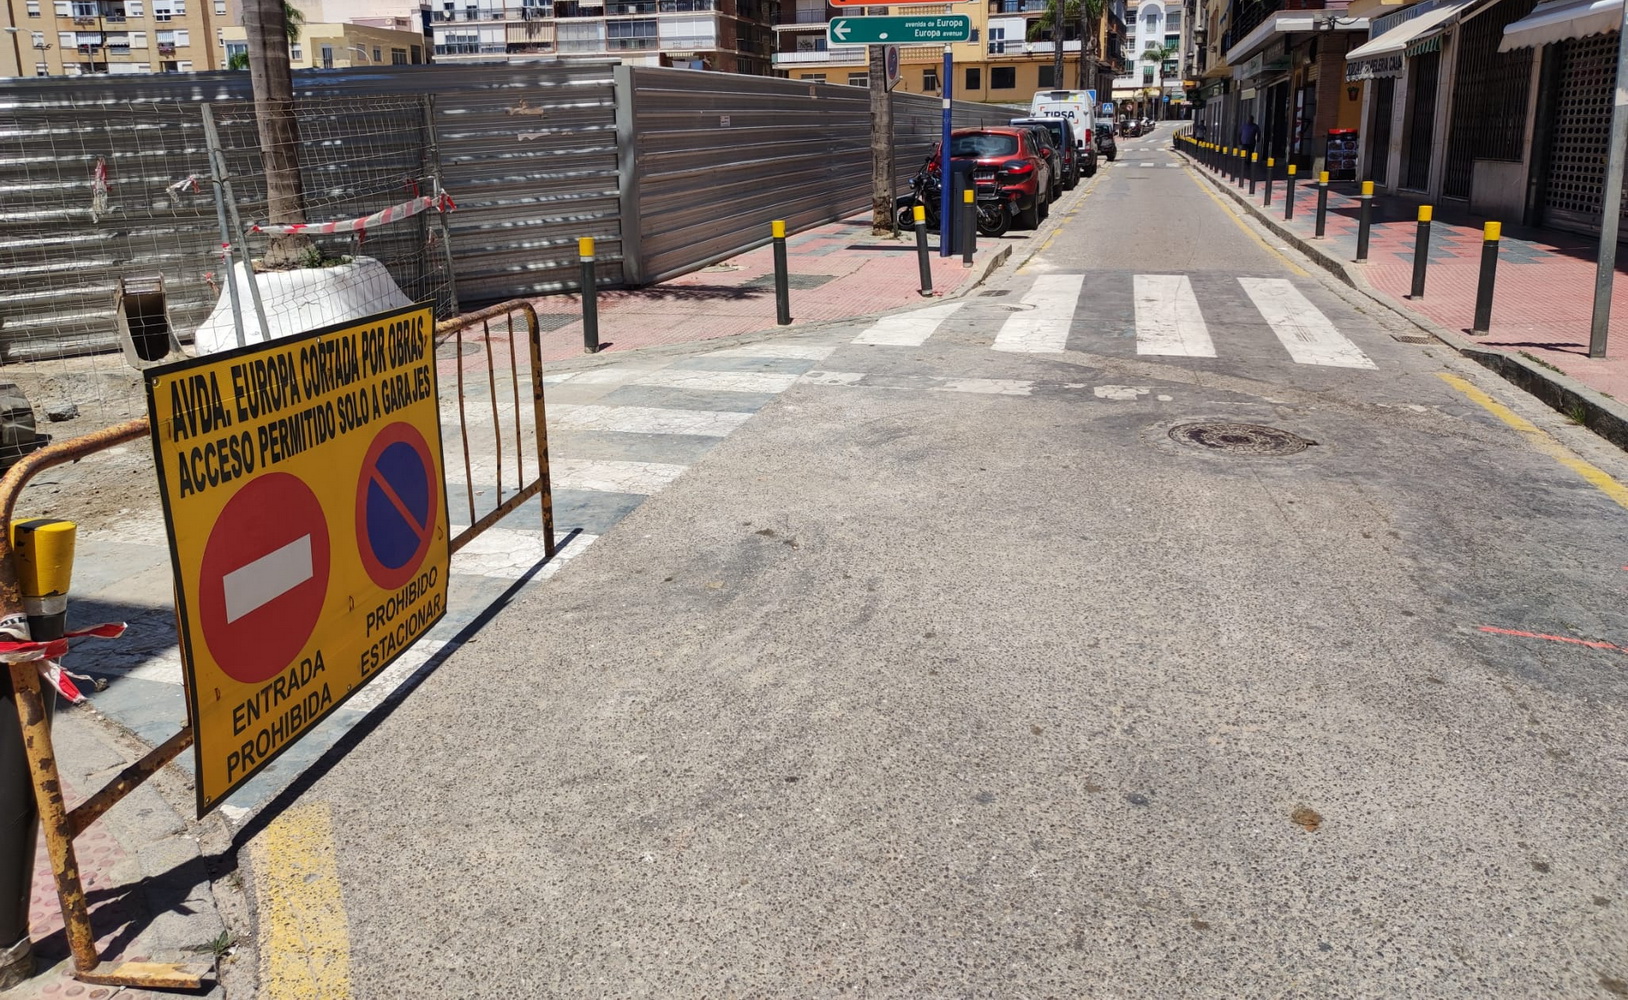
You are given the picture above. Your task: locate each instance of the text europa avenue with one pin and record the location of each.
(285, 403)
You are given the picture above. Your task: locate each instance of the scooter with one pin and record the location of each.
(995, 209)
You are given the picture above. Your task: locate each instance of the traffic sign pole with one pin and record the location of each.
(944, 226)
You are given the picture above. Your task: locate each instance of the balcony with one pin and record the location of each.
(166, 48)
(632, 44)
(847, 55)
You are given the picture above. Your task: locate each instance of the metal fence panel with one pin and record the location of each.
(527, 151)
(718, 157)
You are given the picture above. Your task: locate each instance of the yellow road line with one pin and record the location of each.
(1269, 248)
(1541, 440)
(304, 939)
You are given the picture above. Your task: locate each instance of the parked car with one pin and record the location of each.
(1105, 142)
(1053, 154)
(1009, 159)
(1131, 129)
(1079, 155)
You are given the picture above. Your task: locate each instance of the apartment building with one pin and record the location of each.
(1157, 88)
(81, 37)
(730, 36)
(328, 45)
(999, 65)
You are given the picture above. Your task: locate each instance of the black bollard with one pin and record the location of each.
(1254, 163)
(1421, 253)
(590, 296)
(782, 277)
(1490, 235)
(923, 258)
(1288, 196)
(1271, 164)
(1322, 203)
(1365, 219)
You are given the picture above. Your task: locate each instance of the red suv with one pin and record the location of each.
(1011, 161)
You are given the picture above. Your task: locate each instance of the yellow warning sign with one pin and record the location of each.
(306, 507)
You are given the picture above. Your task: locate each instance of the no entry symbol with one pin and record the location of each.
(395, 506)
(264, 577)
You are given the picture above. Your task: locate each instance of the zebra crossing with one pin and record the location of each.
(1165, 315)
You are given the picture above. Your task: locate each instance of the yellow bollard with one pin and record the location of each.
(43, 549)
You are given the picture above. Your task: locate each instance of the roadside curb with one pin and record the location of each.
(1600, 413)
(585, 362)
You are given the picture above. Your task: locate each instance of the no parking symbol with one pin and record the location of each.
(396, 505)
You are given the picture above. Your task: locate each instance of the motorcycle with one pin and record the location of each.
(994, 208)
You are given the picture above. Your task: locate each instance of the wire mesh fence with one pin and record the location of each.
(122, 236)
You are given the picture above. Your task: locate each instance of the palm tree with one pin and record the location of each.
(1052, 22)
(1091, 12)
(1157, 54)
(295, 19)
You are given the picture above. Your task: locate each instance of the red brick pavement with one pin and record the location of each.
(849, 274)
(1544, 294)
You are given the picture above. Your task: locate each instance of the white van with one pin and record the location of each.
(1077, 106)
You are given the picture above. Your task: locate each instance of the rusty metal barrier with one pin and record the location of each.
(454, 330)
(60, 824)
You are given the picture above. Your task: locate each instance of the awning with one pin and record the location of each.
(1561, 20)
(1384, 54)
(1219, 71)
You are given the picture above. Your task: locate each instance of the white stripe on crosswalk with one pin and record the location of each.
(1306, 333)
(1043, 328)
(909, 329)
(1168, 320)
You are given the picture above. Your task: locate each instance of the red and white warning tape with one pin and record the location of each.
(384, 217)
(46, 652)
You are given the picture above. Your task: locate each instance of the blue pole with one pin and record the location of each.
(944, 216)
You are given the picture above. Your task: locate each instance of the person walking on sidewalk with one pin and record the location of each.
(1248, 132)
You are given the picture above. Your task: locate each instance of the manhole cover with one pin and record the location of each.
(995, 292)
(1243, 439)
(450, 349)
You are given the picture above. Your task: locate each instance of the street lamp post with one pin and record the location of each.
(358, 48)
(16, 46)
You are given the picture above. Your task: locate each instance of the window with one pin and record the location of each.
(974, 37)
(220, 8)
(296, 52)
(929, 80)
(133, 8)
(1048, 76)
(376, 59)
(327, 57)
(1005, 77)
(859, 79)
(33, 8)
(185, 66)
(183, 37)
(163, 10)
(233, 50)
(66, 40)
(39, 40)
(138, 39)
(974, 78)
(398, 57)
(63, 8)
(40, 69)
(997, 41)
(1172, 20)
(82, 9)
(418, 55)
(815, 78)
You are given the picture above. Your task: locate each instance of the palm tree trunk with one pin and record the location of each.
(273, 87)
(1057, 33)
(881, 144)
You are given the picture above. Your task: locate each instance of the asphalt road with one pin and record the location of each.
(950, 673)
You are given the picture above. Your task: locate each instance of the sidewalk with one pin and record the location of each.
(836, 271)
(1545, 283)
(147, 871)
